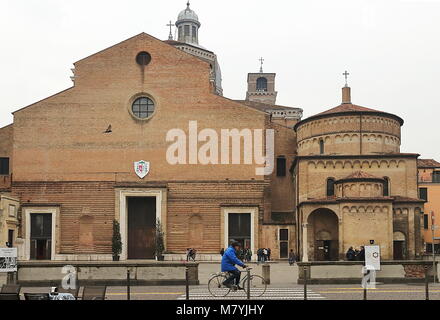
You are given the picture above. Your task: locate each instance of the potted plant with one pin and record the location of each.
(160, 241)
(116, 241)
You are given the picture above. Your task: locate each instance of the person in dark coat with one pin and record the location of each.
(259, 255)
(351, 254)
(361, 254)
(222, 252)
(292, 258)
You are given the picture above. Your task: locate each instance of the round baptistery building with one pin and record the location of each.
(349, 129)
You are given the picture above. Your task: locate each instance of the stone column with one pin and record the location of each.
(305, 257)
(411, 235)
(341, 239)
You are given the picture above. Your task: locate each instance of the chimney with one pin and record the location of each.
(346, 95)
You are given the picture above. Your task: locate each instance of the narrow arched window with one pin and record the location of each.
(321, 146)
(386, 187)
(330, 187)
(262, 84)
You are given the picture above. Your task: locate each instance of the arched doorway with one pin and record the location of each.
(399, 246)
(323, 235)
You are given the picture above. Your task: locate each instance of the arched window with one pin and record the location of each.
(262, 84)
(321, 146)
(386, 187)
(330, 187)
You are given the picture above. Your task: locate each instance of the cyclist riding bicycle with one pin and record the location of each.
(229, 261)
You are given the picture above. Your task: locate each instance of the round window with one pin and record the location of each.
(143, 108)
(143, 58)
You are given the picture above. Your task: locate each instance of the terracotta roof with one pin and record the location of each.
(361, 175)
(406, 199)
(347, 107)
(360, 199)
(346, 199)
(428, 163)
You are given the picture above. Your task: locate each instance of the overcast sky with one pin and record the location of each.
(390, 47)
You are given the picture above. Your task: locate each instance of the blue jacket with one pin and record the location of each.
(229, 260)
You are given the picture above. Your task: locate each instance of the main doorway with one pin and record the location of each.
(141, 227)
(41, 236)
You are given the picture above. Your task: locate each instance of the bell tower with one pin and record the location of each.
(261, 87)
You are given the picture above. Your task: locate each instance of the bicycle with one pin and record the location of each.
(258, 285)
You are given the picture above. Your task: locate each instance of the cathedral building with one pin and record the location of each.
(99, 151)
(134, 141)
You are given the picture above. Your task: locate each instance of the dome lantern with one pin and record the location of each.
(188, 25)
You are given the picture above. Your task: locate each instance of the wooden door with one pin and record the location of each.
(334, 250)
(141, 228)
(319, 250)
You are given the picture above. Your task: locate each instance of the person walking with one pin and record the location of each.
(222, 252)
(269, 252)
(292, 257)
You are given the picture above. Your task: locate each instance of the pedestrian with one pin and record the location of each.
(222, 252)
(250, 253)
(188, 254)
(292, 258)
(269, 252)
(361, 254)
(351, 254)
(259, 255)
(265, 254)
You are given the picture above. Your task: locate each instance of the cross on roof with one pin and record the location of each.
(171, 25)
(346, 74)
(261, 64)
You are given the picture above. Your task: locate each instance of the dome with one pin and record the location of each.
(188, 14)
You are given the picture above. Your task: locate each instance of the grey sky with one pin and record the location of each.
(390, 47)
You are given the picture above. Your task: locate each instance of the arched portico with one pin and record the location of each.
(399, 246)
(323, 235)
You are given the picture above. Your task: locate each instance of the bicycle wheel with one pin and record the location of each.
(258, 286)
(216, 287)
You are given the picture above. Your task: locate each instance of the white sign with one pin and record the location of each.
(8, 259)
(372, 258)
(142, 168)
